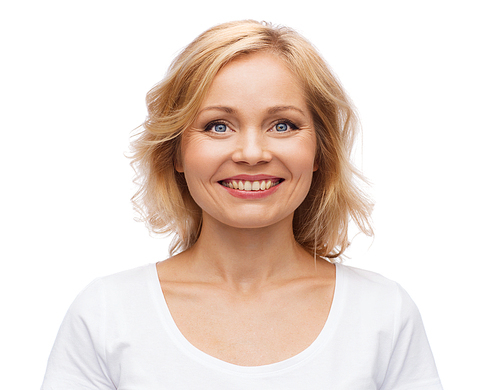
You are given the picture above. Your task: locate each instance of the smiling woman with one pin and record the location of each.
(320, 222)
(256, 131)
(245, 157)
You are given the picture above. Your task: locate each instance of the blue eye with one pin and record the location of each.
(216, 127)
(282, 127)
(220, 128)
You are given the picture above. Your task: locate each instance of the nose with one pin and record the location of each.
(251, 148)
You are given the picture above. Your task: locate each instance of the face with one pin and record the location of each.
(249, 156)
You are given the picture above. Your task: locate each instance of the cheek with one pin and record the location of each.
(199, 161)
(305, 163)
(300, 155)
(191, 152)
(310, 151)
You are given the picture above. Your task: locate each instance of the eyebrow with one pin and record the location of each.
(229, 110)
(272, 110)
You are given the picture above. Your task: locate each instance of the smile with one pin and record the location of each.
(246, 185)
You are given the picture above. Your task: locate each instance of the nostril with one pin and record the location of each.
(252, 155)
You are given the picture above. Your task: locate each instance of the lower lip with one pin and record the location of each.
(259, 194)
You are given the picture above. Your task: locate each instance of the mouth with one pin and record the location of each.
(248, 185)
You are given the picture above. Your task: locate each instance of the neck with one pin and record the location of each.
(246, 259)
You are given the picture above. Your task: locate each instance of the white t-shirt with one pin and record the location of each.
(119, 334)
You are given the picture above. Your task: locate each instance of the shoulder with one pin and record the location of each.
(364, 281)
(380, 313)
(363, 275)
(124, 280)
(376, 293)
(110, 291)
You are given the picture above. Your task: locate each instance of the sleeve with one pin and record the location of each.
(78, 360)
(411, 366)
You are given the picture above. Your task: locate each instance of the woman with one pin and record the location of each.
(245, 158)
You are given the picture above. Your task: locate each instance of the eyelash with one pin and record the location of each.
(291, 125)
(212, 124)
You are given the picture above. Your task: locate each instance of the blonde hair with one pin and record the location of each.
(320, 223)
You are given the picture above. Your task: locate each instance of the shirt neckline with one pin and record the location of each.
(205, 359)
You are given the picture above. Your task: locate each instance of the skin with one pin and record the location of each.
(246, 292)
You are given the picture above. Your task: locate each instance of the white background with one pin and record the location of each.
(423, 74)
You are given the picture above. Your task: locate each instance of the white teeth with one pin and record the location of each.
(250, 185)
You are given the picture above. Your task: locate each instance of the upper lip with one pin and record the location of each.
(252, 177)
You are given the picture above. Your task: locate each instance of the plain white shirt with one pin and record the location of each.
(119, 334)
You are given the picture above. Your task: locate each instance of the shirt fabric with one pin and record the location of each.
(119, 334)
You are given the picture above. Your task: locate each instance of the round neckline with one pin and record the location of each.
(205, 359)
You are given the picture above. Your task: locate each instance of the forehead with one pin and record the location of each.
(254, 80)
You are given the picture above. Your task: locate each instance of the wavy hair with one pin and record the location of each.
(320, 223)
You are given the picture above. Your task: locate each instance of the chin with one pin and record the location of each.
(245, 221)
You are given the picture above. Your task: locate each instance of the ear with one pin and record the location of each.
(178, 166)
(315, 167)
(178, 161)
